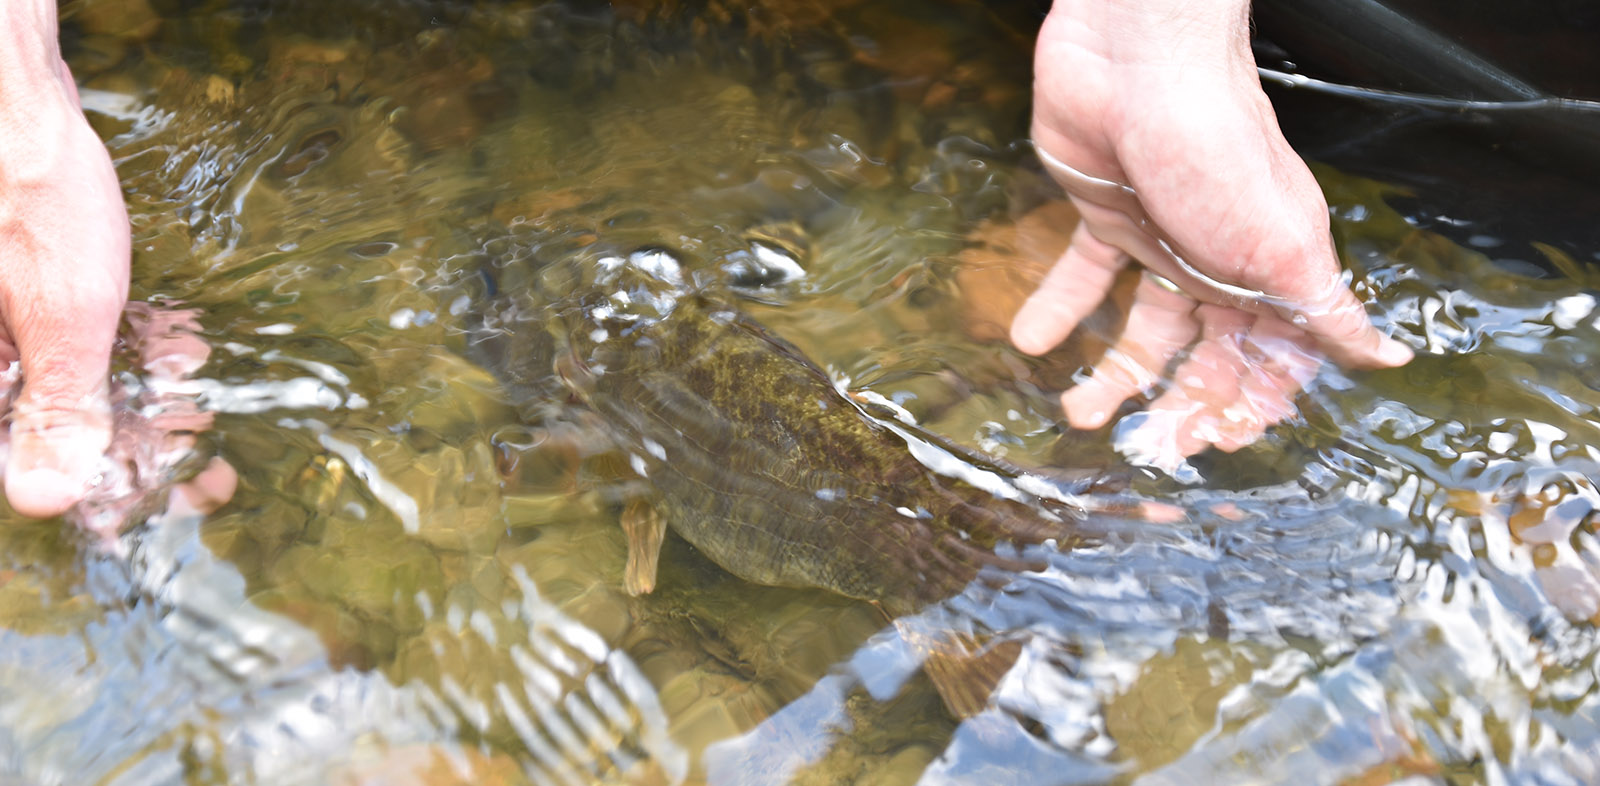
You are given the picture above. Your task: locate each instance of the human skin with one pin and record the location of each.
(154, 435)
(64, 249)
(1163, 96)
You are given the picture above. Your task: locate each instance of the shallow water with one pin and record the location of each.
(419, 579)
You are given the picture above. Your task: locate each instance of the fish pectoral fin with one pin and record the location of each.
(645, 530)
(965, 670)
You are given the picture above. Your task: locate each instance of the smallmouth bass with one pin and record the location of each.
(757, 458)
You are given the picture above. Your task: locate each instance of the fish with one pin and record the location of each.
(770, 467)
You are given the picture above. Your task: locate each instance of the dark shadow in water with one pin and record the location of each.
(1485, 113)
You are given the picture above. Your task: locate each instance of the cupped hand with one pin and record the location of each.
(1151, 115)
(64, 247)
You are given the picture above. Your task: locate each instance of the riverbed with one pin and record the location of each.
(419, 577)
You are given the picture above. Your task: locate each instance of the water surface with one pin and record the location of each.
(419, 578)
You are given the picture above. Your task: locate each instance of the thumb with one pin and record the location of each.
(61, 422)
(1341, 327)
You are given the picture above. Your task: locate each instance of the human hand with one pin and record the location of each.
(157, 418)
(1152, 117)
(64, 246)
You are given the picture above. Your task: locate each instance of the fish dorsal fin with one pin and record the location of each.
(645, 530)
(965, 668)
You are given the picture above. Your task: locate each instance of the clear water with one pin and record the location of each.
(419, 578)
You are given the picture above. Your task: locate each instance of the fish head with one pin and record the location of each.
(625, 318)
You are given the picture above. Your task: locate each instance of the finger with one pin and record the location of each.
(206, 491)
(1191, 415)
(1160, 324)
(1279, 361)
(1267, 233)
(168, 341)
(61, 421)
(1071, 291)
(171, 353)
(1240, 381)
(1161, 439)
(1336, 320)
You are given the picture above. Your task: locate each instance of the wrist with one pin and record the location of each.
(1138, 32)
(30, 57)
(36, 103)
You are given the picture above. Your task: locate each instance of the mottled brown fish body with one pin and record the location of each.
(767, 468)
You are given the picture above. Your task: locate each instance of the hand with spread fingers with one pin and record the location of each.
(1151, 116)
